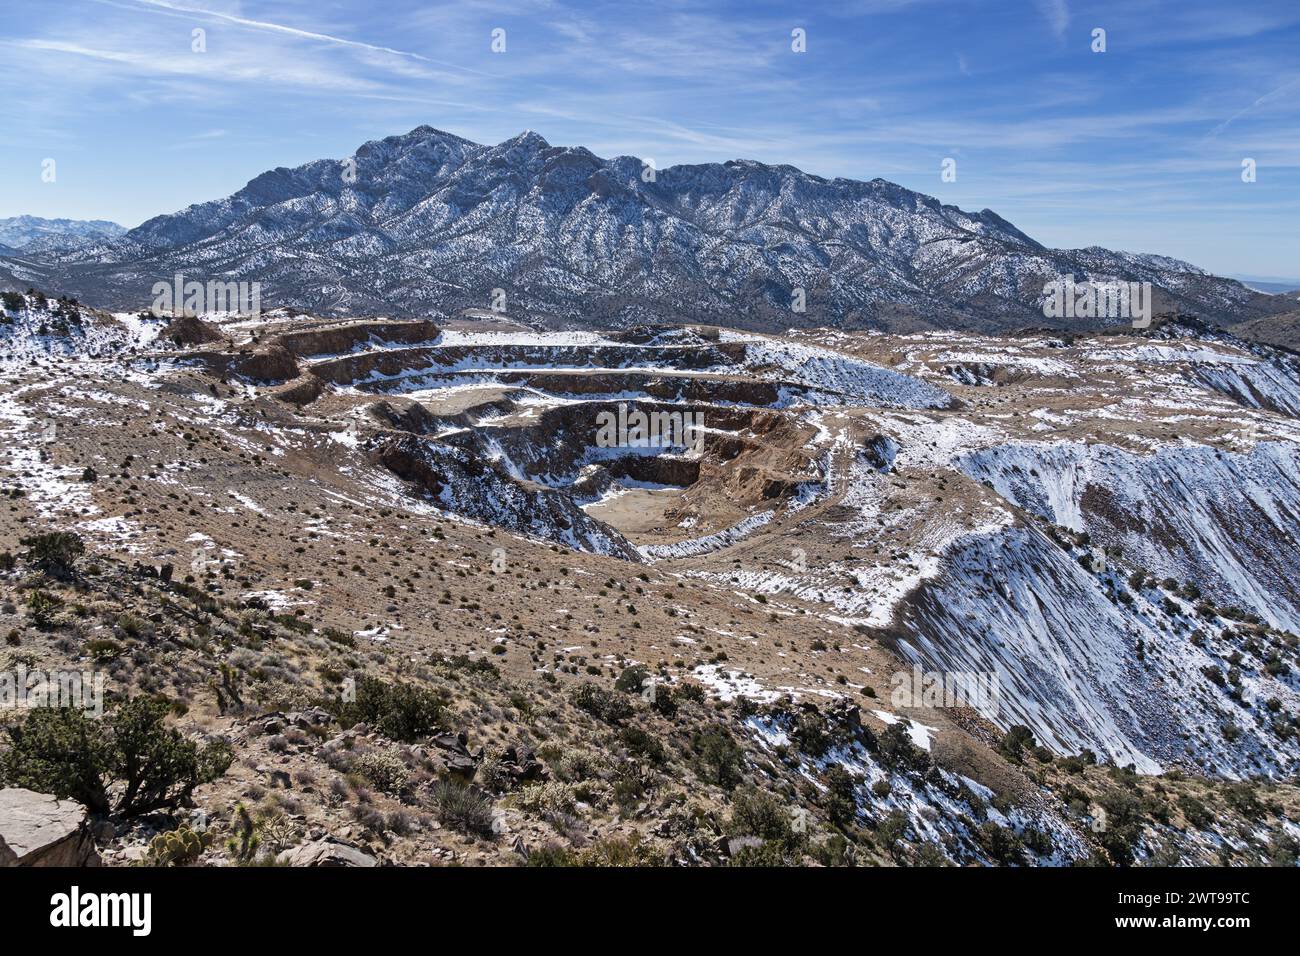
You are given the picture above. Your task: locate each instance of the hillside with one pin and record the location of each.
(394, 573)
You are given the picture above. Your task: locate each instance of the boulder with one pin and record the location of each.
(455, 754)
(37, 829)
(326, 852)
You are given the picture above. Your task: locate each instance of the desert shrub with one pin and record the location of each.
(1123, 825)
(758, 813)
(42, 606)
(897, 750)
(463, 808)
(398, 711)
(1014, 741)
(632, 679)
(811, 733)
(385, 770)
(547, 798)
(602, 704)
(1002, 846)
(339, 637)
(576, 766)
(765, 854)
(1195, 811)
(691, 692)
(618, 851)
(491, 774)
(841, 799)
(1283, 850)
(55, 553)
(1241, 796)
(472, 665)
(719, 759)
(612, 851)
(891, 830)
(643, 744)
(130, 752)
(103, 649)
(552, 854)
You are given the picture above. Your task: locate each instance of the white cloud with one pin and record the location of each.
(1056, 13)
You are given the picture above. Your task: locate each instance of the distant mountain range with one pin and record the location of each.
(29, 233)
(428, 223)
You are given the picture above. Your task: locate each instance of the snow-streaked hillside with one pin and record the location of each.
(1086, 660)
(1228, 521)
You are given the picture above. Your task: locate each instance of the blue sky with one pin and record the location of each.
(1137, 148)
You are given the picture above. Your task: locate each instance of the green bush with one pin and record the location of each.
(758, 813)
(55, 553)
(386, 771)
(1002, 846)
(841, 796)
(897, 749)
(600, 703)
(643, 744)
(719, 759)
(42, 606)
(463, 808)
(1015, 741)
(632, 679)
(128, 763)
(811, 733)
(398, 711)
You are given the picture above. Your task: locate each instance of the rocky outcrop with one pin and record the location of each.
(274, 363)
(326, 852)
(346, 338)
(301, 391)
(188, 330)
(37, 829)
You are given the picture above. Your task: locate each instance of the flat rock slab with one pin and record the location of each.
(37, 829)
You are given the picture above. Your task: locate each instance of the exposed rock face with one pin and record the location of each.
(345, 338)
(469, 486)
(272, 364)
(188, 330)
(37, 829)
(326, 852)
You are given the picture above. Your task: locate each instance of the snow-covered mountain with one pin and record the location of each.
(30, 233)
(430, 223)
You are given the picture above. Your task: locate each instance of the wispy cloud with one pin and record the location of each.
(280, 28)
(1056, 13)
(1082, 148)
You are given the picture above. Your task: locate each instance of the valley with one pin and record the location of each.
(1108, 524)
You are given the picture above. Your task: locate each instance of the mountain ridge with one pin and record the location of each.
(428, 222)
(35, 232)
